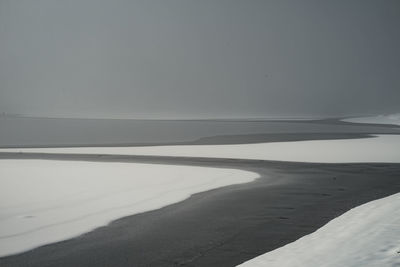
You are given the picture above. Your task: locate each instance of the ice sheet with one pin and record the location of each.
(382, 148)
(45, 201)
(368, 235)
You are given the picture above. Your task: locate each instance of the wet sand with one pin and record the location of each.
(222, 227)
(226, 226)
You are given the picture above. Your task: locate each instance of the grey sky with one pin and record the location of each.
(95, 58)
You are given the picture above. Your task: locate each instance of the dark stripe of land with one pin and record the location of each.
(221, 227)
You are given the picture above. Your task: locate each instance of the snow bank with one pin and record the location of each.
(45, 201)
(368, 235)
(381, 119)
(382, 148)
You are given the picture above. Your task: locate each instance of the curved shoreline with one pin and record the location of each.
(206, 132)
(379, 148)
(227, 226)
(48, 201)
(221, 227)
(366, 235)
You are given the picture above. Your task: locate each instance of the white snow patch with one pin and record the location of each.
(381, 148)
(45, 201)
(368, 235)
(381, 119)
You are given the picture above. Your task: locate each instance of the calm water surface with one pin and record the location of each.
(51, 132)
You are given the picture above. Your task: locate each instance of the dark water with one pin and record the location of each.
(48, 132)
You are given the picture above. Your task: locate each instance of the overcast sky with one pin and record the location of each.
(211, 58)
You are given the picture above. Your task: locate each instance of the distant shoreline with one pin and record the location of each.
(221, 140)
(256, 118)
(24, 132)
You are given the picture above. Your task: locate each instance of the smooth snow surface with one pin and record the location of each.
(381, 148)
(368, 236)
(44, 201)
(381, 119)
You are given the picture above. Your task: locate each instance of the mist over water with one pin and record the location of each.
(115, 108)
(199, 59)
(20, 132)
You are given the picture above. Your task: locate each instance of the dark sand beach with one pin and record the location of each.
(105, 76)
(179, 78)
(222, 227)
(226, 226)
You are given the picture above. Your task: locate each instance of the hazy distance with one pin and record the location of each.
(208, 58)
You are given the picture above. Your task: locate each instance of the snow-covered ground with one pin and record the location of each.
(365, 236)
(44, 201)
(368, 235)
(381, 119)
(382, 148)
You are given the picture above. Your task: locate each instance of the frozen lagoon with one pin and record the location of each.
(45, 201)
(382, 148)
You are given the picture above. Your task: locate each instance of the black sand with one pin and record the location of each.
(227, 226)
(222, 227)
